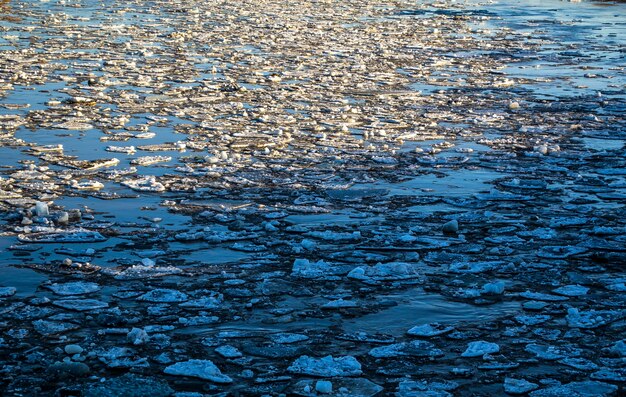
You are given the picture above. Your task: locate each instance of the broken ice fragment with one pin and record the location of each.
(163, 295)
(74, 288)
(480, 348)
(81, 304)
(518, 386)
(429, 330)
(203, 369)
(327, 366)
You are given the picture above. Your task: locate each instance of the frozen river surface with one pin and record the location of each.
(281, 197)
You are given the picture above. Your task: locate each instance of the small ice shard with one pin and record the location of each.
(203, 369)
(429, 330)
(163, 295)
(41, 209)
(480, 348)
(327, 366)
(138, 336)
(73, 349)
(74, 288)
(451, 227)
(324, 386)
(228, 351)
(148, 262)
(619, 348)
(518, 386)
(496, 288)
(306, 269)
(339, 304)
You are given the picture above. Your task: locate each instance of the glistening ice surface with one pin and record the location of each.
(348, 198)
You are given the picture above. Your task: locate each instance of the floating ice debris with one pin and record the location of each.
(228, 351)
(81, 304)
(138, 336)
(203, 369)
(339, 304)
(329, 155)
(411, 388)
(74, 288)
(361, 337)
(87, 185)
(121, 149)
(72, 236)
(41, 209)
(578, 363)
(285, 338)
(475, 267)
(592, 318)
(429, 330)
(163, 295)
(606, 374)
(532, 320)
(138, 272)
(341, 387)
(518, 386)
(47, 328)
(577, 389)
(560, 252)
(306, 269)
(571, 290)
(129, 385)
(496, 288)
(149, 160)
(68, 369)
(205, 302)
(335, 236)
(451, 226)
(552, 352)
(74, 125)
(415, 348)
(73, 349)
(144, 184)
(327, 366)
(7, 291)
(480, 348)
(542, 297)
(619, 348)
